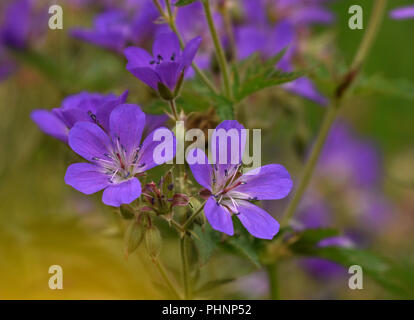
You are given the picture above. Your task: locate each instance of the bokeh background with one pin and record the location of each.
(44, 222)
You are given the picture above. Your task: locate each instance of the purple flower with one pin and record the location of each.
(115, 29)
(116, 157)
(231, 191)
(167, 63)
(85, 106)
(403, 13)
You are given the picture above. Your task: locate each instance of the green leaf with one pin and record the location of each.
(181, 3)
(206, 242)
(400, 88)
(309, 238)
(243, 244)
(252, 75)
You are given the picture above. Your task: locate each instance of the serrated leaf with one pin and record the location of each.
(252, 75)
(206, 242)
(246, 248)
(181, 3)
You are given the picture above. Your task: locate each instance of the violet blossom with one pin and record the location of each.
(116, 156)
(85, 106)
(231, 192)
(117, 28)
(167, 64)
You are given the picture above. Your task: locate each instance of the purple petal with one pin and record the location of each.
(218, 217)
(127, 124)
(305, 88)
(137, 58)
(202, 172)
(122, 193)
(104, 111)
(190, 51)
(403, 13)
(146, 75)
(153, 121)
(50, 124)
(270, 182)
(86, 178)
(89, 141)
(257, 221)
(228, 150)
(147, 158)
(166, 46)
(169, 72)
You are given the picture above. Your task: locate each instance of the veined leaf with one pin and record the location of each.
(206, 242)
(252, 75)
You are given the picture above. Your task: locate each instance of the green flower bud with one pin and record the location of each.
(165, 92)
(133, 236)
(127, 212)
(153, 242)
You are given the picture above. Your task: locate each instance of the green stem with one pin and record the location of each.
(221, 57)
(184, 262)
(371, 33)
(328, 120)
(273, 281)
(171, 22)
(192, 217)
(330, 115)
(167, 280)
(174, 109)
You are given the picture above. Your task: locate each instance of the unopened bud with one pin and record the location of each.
(133, 236)
(153, 242)
(165, 92)
(180, 199)
(127, 212)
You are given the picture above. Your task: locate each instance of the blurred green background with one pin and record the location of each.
(45, 222)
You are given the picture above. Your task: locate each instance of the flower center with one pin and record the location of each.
(119, 164)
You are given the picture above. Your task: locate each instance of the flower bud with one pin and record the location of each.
(127, 212)
(165, 92)
(153, 242)
(133, 236)
(180, 200)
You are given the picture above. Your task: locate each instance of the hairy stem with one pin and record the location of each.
(221, 57)
(273, 281)
(167, 280)
(192, 217)
(331, 113)
(185, 268)
(174, 109)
